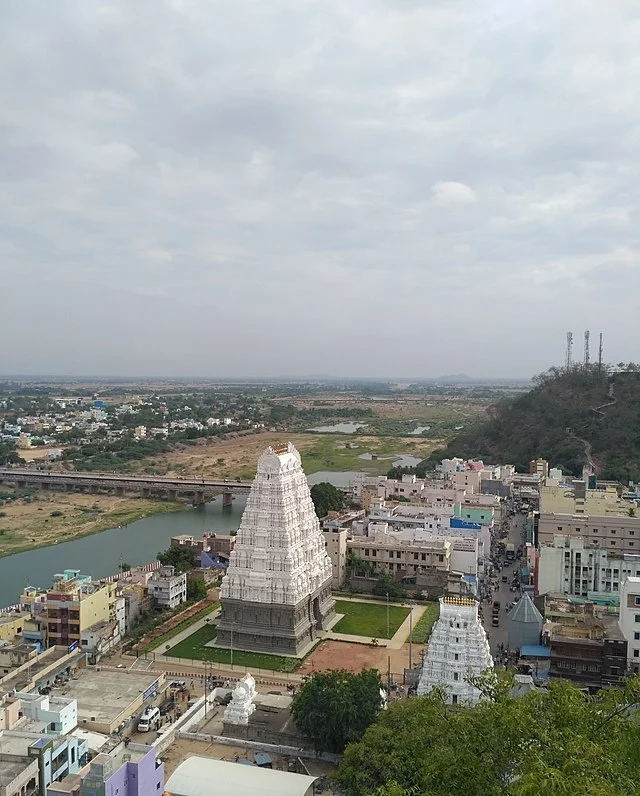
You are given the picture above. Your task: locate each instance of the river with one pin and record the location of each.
(100, 554)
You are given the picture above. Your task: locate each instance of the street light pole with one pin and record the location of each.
(410, 633)
(232, 647)
(387, 614)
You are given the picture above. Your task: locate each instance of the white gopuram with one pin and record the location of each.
(277, 590)
(241, 705)
(458, 648)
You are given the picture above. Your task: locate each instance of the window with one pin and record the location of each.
(636, 653)
(636, 636)
(457, 640)
(456, 676)
(637, 618)
(454, 699)
(398, 554)
(613, 530)
(559, 527)
(440, 559)
(456, 656)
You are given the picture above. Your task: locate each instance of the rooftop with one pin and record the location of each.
(194, 776)
(103, 695)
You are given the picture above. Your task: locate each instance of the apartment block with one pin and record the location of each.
(630, 620)
(168, 587)
(74, 604)
(402, 558)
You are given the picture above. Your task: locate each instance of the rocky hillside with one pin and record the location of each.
(570, 418)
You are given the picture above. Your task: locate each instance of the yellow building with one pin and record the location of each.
(11, 625)
(75, 603)
(556, 499)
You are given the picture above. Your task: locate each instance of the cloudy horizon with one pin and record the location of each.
(359, 188)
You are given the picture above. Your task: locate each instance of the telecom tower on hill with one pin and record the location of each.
(277, 590)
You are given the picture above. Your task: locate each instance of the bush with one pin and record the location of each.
(57, 514)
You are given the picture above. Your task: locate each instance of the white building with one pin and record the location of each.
(58, 713)
(458, 649)
(140, 432)
(571, 566)
(629, 621)
(168, 587)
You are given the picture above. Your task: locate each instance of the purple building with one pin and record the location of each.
(131, 770)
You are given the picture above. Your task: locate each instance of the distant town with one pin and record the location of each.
(414, 580)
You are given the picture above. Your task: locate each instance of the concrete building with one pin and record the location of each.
(630, 621)
(131, 770)
(58, 714)
(99, 639)
(74, 604)
(201, 776)
(336, 547)
(107, 699)
(539, 466)
(12, 624)
(402, 558)
(277, 590)
(458, 648)
(168, 587)
(55, 757)
(571, 565)
(587, 645)
(14, 655)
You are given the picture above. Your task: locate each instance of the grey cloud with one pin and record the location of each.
(284, 173)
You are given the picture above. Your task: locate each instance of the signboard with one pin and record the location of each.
(150, 691)
(73, 646)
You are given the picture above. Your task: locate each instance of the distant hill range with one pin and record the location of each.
(572, 417)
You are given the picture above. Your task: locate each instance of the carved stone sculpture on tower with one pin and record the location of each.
(458, 648)
(241, 705)
(277, 590)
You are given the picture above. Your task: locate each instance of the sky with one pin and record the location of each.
(288, 187)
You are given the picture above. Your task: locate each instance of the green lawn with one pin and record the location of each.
(368, 619)
(422, 628)
(161, 641)
(194, 648)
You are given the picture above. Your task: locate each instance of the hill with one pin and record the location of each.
(571, 417)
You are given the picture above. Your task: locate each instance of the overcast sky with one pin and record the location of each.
(350, 187)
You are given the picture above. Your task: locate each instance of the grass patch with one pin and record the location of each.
(193, 648)
(367, 619)
(329, 452)
(422, 628)
(162, 640)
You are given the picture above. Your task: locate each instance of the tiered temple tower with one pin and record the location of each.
(458, 647)
(277, 590)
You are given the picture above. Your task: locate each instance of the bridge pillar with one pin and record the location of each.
(172, 494)
(146, 492)
(198, 498)
(227, 500)
(119, 490)
(68, 487)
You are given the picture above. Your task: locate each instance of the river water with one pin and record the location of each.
(99, 555)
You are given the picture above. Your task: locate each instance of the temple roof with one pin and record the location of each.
(525, 611)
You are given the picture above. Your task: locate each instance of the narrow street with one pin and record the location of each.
(498, 635)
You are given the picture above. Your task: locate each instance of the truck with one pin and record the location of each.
(510, 551)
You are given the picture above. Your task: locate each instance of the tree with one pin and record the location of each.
(334, 708)
(196, 589)
(553, 742)
(326, 498)
(387, 585)
(182, 558)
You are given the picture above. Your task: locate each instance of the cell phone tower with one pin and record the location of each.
(600, 353)
(586, 348)
(569, 358)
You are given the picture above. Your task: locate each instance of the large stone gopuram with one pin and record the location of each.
(277, 591)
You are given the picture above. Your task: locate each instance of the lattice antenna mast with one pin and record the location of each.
(569, 357)
(586, 348)
(600, 353)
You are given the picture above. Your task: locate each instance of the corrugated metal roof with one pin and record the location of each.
(204, 776)
(525, 611)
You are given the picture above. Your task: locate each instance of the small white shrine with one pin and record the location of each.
(458, 648)
(241, 705)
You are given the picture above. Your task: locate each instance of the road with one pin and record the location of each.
(498, 635)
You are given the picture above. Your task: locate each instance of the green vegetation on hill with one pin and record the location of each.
(568, 416)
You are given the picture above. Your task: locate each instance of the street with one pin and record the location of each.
(498, 635)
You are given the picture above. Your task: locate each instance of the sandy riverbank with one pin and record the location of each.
(53, 517)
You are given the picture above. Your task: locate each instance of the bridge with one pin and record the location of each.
(199, 490)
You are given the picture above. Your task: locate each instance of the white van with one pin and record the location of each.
(149, 719)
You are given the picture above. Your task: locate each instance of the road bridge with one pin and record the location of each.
(199, 490)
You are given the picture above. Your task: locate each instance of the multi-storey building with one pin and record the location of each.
(75, 603)
(570, 565)
(630, 620)
(586, 647)
(402, 557)
(168, 587)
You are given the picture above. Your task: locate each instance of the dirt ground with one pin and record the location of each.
(24, 525)
(224, 457)
(356, 657)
